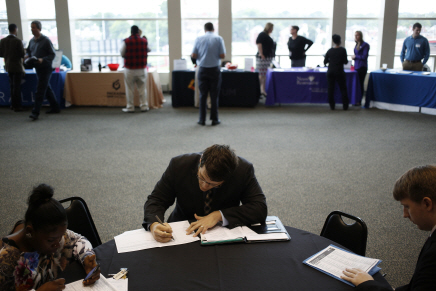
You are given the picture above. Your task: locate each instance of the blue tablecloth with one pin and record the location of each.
(297, 85)
(28, 88)
(413, 89)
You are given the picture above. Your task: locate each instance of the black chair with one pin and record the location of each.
(352, 236)
(80, 220)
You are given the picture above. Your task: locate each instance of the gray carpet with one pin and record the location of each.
(309, 161)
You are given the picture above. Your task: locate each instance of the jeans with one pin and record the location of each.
(43, 89)
(15, 84)
(332, 78)
(209, 80)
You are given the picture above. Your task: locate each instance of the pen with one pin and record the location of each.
(160, 221)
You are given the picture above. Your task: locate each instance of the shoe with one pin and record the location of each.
(216, 122)
(19, 109)
(345, 106)
(53, 111)
(144, 109)
(33, 116)
(201, 122)
(128, 110)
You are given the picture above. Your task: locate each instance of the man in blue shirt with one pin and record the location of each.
(415, 48)
(209, 50)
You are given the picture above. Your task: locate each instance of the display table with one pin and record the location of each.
(238, 88)
(107, 89)
(258, 266)
(394, 90)
(298, 85)
(28, 88)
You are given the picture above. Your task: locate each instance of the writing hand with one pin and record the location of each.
(56, 285)
(89, 263)
(161, 233)
(356, 276)
(203, 223)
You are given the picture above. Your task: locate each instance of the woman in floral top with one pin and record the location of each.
(41, 246)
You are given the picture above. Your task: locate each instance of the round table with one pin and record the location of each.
(257, 266)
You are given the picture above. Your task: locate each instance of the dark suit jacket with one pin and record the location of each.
(424, 277)
(180, 182)
(11, 48)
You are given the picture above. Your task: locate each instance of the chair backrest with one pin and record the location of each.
(352, 236)
(80, 220)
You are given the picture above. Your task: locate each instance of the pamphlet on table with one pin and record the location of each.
(333, 260)
(102, 284)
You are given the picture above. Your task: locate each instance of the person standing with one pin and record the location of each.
(415, 48)
(12, 50)
(298, 45)
(265, 54)
(360, 58)
(209, 50)
(134, 51)
(42, 49)
(336, 57)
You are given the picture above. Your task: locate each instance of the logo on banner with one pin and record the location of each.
(307, 81)
(116, 85)
(192, 85)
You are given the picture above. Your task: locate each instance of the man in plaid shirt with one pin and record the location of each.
(134, 51)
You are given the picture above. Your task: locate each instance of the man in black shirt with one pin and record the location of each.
(297, 48)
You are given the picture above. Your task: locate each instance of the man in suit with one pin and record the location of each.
(12, 50)
(208, 51)
(416, 191)
(209, 187)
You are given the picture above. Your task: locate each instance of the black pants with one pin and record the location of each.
(209, 80)
(15, 83)
(43, 89)
(362, 74)
(339, 77)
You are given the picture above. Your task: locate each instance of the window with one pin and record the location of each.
(410, 12)
(44, 11)
(250, 20)
(100, 29)
(194, 16)
(3, 20)
(363, 17)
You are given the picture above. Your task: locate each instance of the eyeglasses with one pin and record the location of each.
(210, 184)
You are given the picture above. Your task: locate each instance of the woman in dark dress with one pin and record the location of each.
(265, 55)
(336, 57)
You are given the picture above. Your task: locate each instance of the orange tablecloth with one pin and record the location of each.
(108, 89)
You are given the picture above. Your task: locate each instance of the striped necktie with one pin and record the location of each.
(207, 202)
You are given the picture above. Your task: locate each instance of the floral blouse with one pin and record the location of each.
(27, 271)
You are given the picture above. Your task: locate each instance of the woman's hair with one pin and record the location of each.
(336, 39)
(361, 35)
(268, 27)
(44, 212)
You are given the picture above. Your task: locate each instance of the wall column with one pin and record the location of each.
(339, 19)
(225, 25)
(387, 32)
(64, 28)
(174, 33)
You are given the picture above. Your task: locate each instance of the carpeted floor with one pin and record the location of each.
(309, 161)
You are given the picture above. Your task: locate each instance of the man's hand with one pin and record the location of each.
(89, 263)
(204, 223)
(40, 61)
(356, 276)
(56, 285)
(353, 57)
(161, 233)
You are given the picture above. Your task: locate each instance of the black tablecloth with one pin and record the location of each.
(258, 266)
(238, 89)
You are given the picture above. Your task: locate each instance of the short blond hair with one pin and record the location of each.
(268, 27)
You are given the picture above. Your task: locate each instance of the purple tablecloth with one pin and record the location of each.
(299, 86)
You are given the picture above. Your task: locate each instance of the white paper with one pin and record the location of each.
(249, 63)
(180, 65)
(101, 285)
(220, 233)
(276, 64)
(140, 239)
(333, 260)
(119, 285)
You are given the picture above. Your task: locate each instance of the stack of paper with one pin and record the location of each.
(102, 284)
(333, 261)
(219, 233)
(140, 239)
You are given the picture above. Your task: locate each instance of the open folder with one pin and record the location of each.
(271, 230)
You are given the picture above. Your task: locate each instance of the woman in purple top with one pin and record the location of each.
(360, 58)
